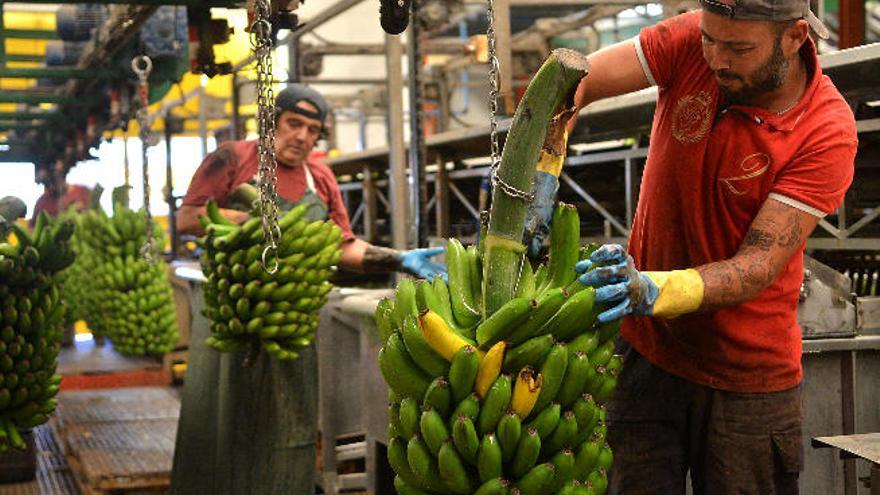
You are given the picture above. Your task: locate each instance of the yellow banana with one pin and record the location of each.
(490, 368)
(440, 337)
(526, 391)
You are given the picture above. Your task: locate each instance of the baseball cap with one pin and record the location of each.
(767, 10)
(288, 98)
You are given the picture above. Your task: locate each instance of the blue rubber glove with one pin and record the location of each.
(618, 281)
(418, 262)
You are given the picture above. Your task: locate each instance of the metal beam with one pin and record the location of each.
(467, 204)
(26, 116)
(595, 204)
(853, 243)
(305, 27)
(451, 46)
(29, 34)
(35, 98)
(18, 126)
(323, 16)
(54, 73)
(397, 187)
(505, 55)
(14, 57)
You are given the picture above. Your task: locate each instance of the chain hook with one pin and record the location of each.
(142, 66)
(261, 39)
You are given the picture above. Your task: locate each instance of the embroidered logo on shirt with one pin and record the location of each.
(754, 165)
(692, 118)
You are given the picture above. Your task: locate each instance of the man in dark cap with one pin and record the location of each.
(299, 122)
(751, 146)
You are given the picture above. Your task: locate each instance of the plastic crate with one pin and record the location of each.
(17, 466)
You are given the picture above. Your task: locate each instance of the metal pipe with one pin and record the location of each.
(396, 146)
(169, 192)
(293, 57)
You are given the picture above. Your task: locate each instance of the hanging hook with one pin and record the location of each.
(142, 66)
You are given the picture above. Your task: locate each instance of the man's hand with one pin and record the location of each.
(418, 262)
(618, 282)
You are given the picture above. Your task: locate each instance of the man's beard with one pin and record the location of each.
(769, 77)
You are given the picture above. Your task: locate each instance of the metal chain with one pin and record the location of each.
(261, 42)
(142, 66)
(494, 93)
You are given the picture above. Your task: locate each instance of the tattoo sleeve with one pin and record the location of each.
(777, 232)
(379, 259)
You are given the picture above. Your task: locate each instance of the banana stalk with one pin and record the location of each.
(551, 88)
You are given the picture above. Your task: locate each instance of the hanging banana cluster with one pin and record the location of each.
(122, 295)
(30, 325)
(247, 304)
(76, 280)
(508, 404)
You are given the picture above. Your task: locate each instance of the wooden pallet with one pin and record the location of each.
(110, 405)
(122, 456)
(119, 441)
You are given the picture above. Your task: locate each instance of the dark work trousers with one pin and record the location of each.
(661, 426)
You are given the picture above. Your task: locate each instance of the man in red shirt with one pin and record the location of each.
(299, 123)
(54, 201)
(751, 145)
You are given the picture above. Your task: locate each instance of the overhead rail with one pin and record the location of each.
(851, 69)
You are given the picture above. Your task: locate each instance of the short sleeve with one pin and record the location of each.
(816, 181)
(337, 212)
(666, 47)
(214, 178)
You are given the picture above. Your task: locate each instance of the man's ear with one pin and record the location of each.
(795, 36)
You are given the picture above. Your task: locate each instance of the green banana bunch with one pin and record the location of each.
(31, 318)
(512, 403)
(248, 305)
(114, 289)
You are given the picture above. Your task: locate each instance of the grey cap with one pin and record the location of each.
(767, 10)
(288, 98)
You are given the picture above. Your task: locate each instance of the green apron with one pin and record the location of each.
(248, 430)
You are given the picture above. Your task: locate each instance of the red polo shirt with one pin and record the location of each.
(708, 171)
(75, 195)
(234, 163)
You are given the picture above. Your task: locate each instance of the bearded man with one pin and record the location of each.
(751, 146)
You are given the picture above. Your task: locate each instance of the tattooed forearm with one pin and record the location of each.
(380, 259)
(774, 236)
